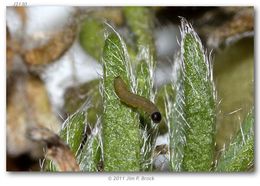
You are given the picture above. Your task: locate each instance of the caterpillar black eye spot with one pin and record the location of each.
(156, 117)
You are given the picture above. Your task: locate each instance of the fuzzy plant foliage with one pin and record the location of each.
(91, 37)
(199, 103)
(72, 134)
(192, 116)
(140, 21)
(239, 155)
(73, 130)
(123, 138)
(120, 127)
(174, 119)
(90, 156)
(163, 100)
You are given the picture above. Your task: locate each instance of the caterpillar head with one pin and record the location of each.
(156, 117)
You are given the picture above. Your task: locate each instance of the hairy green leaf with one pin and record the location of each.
(121, 136)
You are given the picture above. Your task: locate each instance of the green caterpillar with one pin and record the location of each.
(136, 101)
